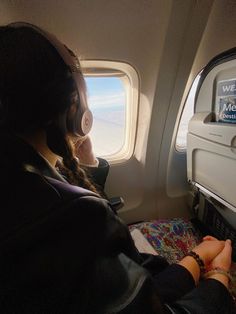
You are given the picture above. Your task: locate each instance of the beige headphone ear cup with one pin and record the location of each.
(86, 121)
(79, 123)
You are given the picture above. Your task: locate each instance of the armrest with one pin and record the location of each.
(116, 202)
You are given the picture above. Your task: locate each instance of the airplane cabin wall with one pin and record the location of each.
(220, 33)
(218, 36)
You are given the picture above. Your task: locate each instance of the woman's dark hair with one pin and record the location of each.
(36, 88)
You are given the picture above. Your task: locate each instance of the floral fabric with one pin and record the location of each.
(171, 238)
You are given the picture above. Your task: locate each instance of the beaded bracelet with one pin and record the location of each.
(198, 260)
(218, 270)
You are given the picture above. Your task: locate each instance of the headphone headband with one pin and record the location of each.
(82, 123)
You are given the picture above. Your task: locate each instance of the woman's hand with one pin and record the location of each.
(209, 249)
(84, 151)
(222, 261)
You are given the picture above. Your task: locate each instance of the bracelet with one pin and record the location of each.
(198, 260)
(218, 270)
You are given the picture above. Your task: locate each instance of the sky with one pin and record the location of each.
(105, 92)
(107, 100)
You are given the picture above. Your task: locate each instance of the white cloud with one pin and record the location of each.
(106, 100)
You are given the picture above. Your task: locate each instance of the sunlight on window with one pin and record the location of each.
(107, 101)
(181, 139)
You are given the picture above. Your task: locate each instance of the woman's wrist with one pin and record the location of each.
(221, 278)
(192, 266)
(93, 162)
(199, 260)
(219, 274)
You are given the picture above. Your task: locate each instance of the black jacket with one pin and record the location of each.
(62, 250)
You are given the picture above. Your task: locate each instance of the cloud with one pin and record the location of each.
(106, 100)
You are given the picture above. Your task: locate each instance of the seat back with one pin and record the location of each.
(211, 146)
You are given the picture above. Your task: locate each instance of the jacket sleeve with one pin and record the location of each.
(119, 238)
(209, 297)
(173, 283)
(98, 174)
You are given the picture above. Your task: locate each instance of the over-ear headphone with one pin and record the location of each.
(80, 123)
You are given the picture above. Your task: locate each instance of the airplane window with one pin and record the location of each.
(113, 93)
(181, 139)
(107, 101)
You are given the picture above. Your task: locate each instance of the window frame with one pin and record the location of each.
(194, 85)
(99, 68)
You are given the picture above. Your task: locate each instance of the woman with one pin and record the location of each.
(62, 248)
